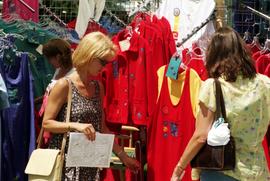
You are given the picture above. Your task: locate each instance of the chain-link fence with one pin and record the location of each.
(67, 10)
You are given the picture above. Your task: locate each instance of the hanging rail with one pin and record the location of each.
(52, 14)
(195, 30)
(115, 17)
(255, 11)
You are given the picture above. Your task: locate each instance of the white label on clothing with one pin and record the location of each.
(85, 153)
(39, 49)
(124, 45)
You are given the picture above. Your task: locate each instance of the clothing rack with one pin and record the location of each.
(115, 17)
(255, 11)
(195, 30)
(52, 14)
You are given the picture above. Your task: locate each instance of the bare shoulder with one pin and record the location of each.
(60, 90)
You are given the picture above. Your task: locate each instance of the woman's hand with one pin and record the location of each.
(129, 162)
(178, 173)
(87, 129)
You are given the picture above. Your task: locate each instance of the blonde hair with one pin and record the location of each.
(94, 45)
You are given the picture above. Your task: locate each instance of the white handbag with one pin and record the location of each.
(47, 164)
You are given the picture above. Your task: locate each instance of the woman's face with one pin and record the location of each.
(96, 66)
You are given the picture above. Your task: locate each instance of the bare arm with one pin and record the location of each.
(56, 99)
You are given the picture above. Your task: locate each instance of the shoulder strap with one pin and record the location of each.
(64, 141)
(220, 105)
(39, 140)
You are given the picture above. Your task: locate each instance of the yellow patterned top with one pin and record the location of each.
(247, 104)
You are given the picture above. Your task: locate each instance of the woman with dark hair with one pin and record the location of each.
(247, 101)
(58, 52)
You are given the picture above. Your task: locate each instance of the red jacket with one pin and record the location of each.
(125, 98)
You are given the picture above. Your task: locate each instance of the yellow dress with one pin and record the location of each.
(247, 105)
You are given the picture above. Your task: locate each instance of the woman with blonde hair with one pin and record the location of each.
(93, 52)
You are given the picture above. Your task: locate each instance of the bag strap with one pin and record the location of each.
(220, 105)
(64, 141)
(40, 136)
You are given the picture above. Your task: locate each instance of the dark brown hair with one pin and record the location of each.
(227, 56)
(60, 47)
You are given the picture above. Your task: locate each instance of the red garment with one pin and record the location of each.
(125, 97)
(262, 62)
(26, 9)
(170, 47)
(196, 49)
(253, 48)
(198, 65)
(256, 55)
(267, 71)
(157, 58)
(170, 130)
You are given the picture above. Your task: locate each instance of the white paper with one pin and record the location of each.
(85, 153)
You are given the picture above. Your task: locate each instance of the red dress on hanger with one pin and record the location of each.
(169, 132)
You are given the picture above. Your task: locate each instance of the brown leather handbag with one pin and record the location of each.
(216, 157)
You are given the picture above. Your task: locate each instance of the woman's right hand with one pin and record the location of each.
(87, 129)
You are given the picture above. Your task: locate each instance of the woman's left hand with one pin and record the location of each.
(178, 174)
(130, 163)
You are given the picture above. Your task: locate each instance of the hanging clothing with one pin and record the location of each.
(198, 65)
(18, 129)
(26, 9)
(262, 62)
(195, 61)
(253, 48)
(257, 55)
(246, 102)
(88, 9)
(83, 110)
(125, 98)
(183, 20)
(33, 36)
(170, 129)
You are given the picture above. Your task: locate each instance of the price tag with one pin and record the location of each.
(124, 45)
(173, 68)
